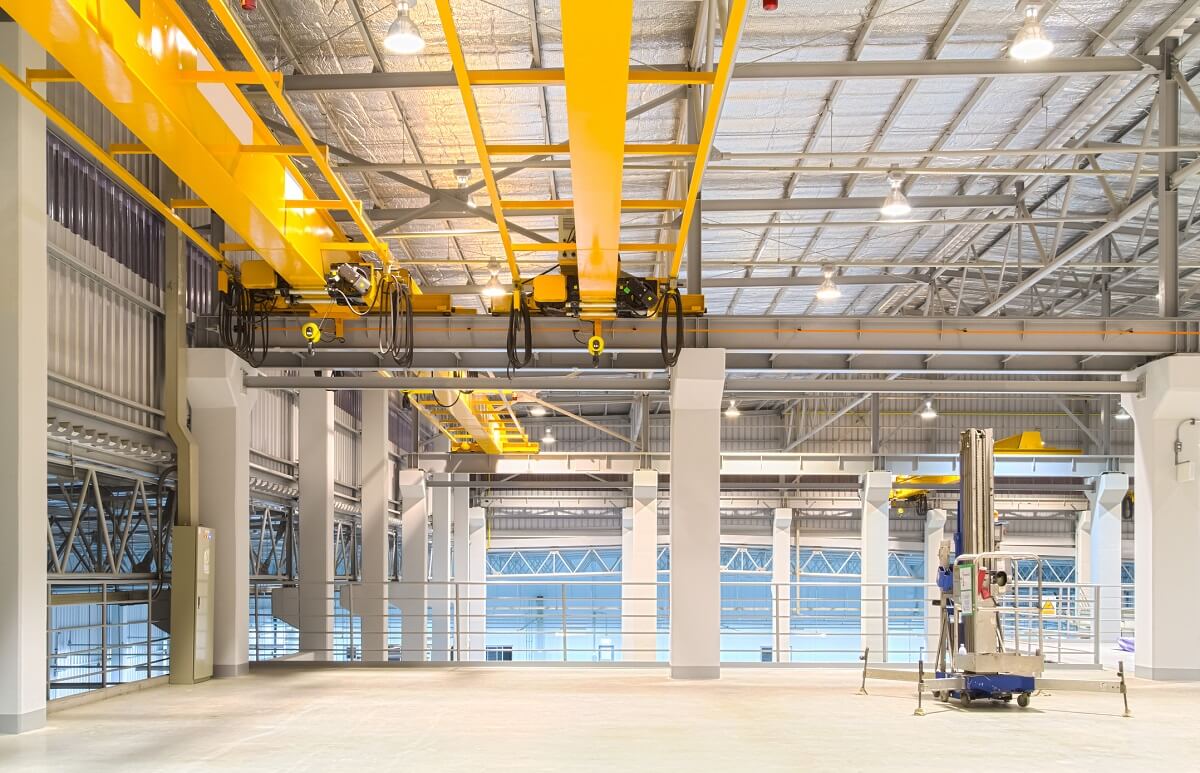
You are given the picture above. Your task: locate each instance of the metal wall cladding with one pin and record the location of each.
(86, 112)
(273, 429)
(105, 352)
(346, 447)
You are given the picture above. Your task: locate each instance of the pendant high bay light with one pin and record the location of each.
(733, 411)
(1031, 42)
(1122, 414)
(928, 413)
(493, 289)
(548, 438)
(828, 291)
(403, 37)
(462, 174)
(896, 203)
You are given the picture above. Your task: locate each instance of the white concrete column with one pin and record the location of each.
(697, 382)
(876, 490)
(781, 579)
(371, 595)
(1166, 526)
(317, 566)
(460, 500)
(22, 395)
(220, 408)
(414, 565)
(476, 592)
(935, 533)
(1102, 565)
(639, 570)
(440, 593)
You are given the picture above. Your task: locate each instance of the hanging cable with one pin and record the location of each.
(671, 298)
(396, 327)
(242, 319)
(518, 321)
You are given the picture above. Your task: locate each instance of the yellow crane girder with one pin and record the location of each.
(154, 72)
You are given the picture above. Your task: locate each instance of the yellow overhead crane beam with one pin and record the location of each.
(479, 421)
(154, 72)
(596, 73)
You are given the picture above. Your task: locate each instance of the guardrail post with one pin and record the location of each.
(563, 592)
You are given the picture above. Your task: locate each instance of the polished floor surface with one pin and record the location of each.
(600, 719)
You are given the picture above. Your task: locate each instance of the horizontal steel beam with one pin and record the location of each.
(759, 71)
(564, 384)
(732, 386)
(478, 342)
(449, 211)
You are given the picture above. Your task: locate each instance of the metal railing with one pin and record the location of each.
(576, 621)
(102, 633)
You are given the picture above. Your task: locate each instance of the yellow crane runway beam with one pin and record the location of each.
(135, 64)
(735, 18)
(110, 163)
(463, 76)
(596, 41)
(631, 149)
(557, 76)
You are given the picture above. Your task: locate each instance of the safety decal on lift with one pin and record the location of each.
(966, 588)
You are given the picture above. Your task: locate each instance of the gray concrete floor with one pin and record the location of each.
(600, 719)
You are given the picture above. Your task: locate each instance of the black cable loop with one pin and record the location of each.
(518, 320)
(669, 298)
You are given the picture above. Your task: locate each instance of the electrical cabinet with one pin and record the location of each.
(192, 604)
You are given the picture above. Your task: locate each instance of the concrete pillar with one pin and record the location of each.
(371, 595)
(414, 565)
(876, 490)
(476, 591)
(1101, 566)
(22, 396)
(316, 564)
(1166, 526)
(440, 593)
(781, 579)
(460, 500)
(220, 408)
(639, 570)
(935, 533)
(697, 382)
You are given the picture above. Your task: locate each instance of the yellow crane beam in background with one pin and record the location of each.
(735, 18)
(155, 73)
(596, 43)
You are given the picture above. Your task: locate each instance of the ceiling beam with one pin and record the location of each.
(759, 71)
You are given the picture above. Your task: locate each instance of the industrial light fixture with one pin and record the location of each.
(1122, 414)
(828, 291)
(733, 411)
(548, 438)
(493, 288)
(471, 201)
(462, 175)
(895, 204)
(927, 411)
(1030, 41)
(538, 410)
(403, 37)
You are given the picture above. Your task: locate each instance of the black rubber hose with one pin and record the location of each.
(671, 297)
(518, 321)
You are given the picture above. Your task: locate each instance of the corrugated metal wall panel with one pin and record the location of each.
(346, 447)
(273, 428)
(86, 112)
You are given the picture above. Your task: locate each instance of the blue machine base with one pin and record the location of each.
(993, 686)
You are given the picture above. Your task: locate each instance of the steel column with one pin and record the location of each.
(1168, 193)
